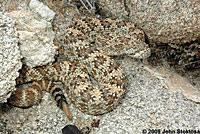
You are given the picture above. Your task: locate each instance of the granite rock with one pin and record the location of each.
(10, 58)
(168, 21)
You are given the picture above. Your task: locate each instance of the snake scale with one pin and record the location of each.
(94, 82)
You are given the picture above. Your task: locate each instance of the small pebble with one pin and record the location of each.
(70, 129)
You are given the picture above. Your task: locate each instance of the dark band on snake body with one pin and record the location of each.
(55, 91)
(59, 97)
(60, 101)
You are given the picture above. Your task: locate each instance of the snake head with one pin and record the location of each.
(138, 50)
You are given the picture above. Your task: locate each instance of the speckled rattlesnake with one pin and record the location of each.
(89, 44)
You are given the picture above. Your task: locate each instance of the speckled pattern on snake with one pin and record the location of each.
(94, 82)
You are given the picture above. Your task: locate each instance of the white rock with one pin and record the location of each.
(42, 9)
(36, 38)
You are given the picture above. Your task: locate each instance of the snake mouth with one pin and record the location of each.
(140, 54)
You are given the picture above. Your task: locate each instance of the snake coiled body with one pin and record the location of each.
(94, 82)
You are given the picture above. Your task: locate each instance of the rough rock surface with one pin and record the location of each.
(35, 37)
(10, 58)
(168, 21)
(42, 9)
